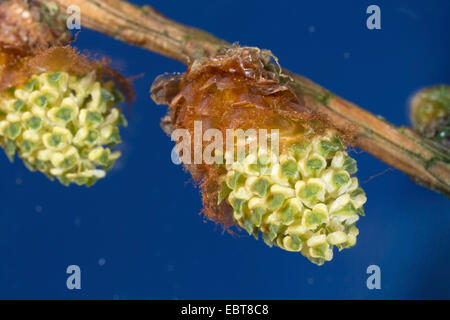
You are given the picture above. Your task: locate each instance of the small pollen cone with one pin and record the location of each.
(302, 198)
(58, 109)
(62, 125)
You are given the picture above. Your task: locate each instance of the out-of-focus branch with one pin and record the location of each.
(426, 162)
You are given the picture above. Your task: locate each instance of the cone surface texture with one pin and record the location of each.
(304, 200)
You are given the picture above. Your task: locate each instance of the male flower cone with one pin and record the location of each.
(62, 125)
(303, 198)
(59, 114)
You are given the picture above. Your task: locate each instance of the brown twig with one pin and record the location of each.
(426, 162)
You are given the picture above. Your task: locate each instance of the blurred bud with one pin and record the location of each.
(430, 113)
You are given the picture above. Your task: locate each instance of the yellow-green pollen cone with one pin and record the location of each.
(62, 125)
(305, 200)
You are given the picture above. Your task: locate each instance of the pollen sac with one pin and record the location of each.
(62, 125)
(305, 200)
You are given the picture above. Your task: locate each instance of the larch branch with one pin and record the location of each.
(425, 161)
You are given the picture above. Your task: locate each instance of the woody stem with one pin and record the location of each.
(426, 162)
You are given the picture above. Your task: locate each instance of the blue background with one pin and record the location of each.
(138, 234)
